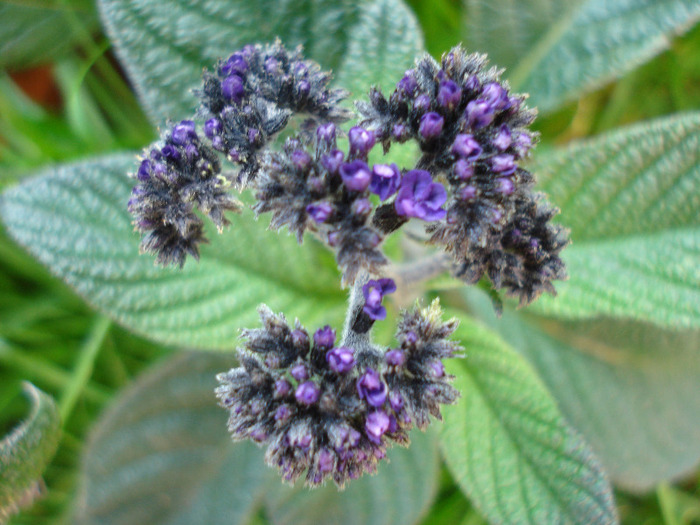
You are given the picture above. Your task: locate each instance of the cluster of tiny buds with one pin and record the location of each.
(328, 411)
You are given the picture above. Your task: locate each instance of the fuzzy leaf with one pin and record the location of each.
(26, 451)
(36, 33)
(161, 455)
(74, 219)
(508, 446)
(630, 388)
(164, 45)
(630, 198)
(557, 50)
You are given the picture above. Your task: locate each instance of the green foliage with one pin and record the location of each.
(557, 50)
(162, 455)
(508, 446)
(165, 45)
(631, 202)
(74, 219)
(26, 451)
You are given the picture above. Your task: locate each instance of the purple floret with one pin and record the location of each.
(420, 197)
(341, 359)
(374, 291)
(385, 180)
(371, 388)
(356, 175)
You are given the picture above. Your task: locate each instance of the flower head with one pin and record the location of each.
(420, 197)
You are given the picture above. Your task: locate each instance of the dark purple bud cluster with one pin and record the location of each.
(175, 177)
(251, 96)
(329, 412)
(472, 133)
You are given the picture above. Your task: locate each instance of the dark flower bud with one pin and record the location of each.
(420, 197)
(503, 138)
(324, 337)
(326, 133)
(341, 359)
(361, 207)
(467, 193)
(449, 94)
(505, 185)
(282, 387)
(374, 291)
(437, 368)
(301, 159)
(396, 401)
(431, 125)
(320, 212)
(232, 88)
(183, 132)
(307, 393)
(235, 64)
(371, 388)
(385, 180)
(503, 164)
(479, 113)
(361, 141)
(332, 161)
(421, 104)
(407, 84)
(282, 413)
(356, 175)
(467, 147)
(464, 169)
(395, 357)
(145, 168)
(299, 372)
(495, 95)
(376, 425)
(400, 132)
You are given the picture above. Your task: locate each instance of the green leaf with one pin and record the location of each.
(74, 219)
(630, 388)
(630, 198)
(557, 50)
(385, 43)
(164, 45)
(508, 446)
(26, 451)
(162, 455)
(37, 33)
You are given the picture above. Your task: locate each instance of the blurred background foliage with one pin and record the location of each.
(63, 96)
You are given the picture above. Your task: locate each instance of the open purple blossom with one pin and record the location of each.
(361, 141)
(371, 388)
(385, 180)
(420, 197)
(356, 175)
(307, 393)
(376, 425)
(320, 212)
(374, 292)
(431, 125)
(324, 337)
(341, 359)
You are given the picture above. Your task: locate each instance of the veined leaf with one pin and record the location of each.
(162, 455)
(555, 50)
(508, 446)
(74, 219)
(26, 451)
(629, 387)
(164, 45)
(631, 200)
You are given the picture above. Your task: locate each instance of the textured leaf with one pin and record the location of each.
(631, 200)
(26, 451)
(630, 388)
(384, 44)
(162, 455)
(36, 33)
(164, 45)
(508, 446)
(74, 220)
(556, 50)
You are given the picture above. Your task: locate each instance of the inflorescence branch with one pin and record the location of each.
(327, 409)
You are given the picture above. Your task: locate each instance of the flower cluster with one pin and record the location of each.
(329, 411)
(174, 178)
(472, 133)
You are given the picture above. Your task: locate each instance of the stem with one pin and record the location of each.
(411, 274)
(356, 333)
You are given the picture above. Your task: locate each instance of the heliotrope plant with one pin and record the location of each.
(327, 407)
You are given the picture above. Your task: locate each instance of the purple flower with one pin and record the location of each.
(282, 387)
(466, 146)
(449, 94)
(332, 161)
(395, 357)
(422, 103)
(301, 159)
(144, 172)
(212, 127)
(371, 388)
(253, 135)
(503, 164)
(341, 359)
(503, 138)
(376, 424)
(282, 413)
(232, 88)
(307, 393)
(407, 84)
(324, 337)
(464, 169)
(431, 125)
(437, 368)
(236, 63)
(467, 193)
(170, 152)
(505, 185)
(396, 401)
(184, 132)
(356, 175)
(325, 460)
(361, 207)
(361, 141)
(300, 339)
(374, 291)
(523, 143)
(320, 212)
(271, 65)
(495, 95)
(299, 372)
(420, 197)
(326, 132)
(479, 113)
(399, 131)
(385, 180)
